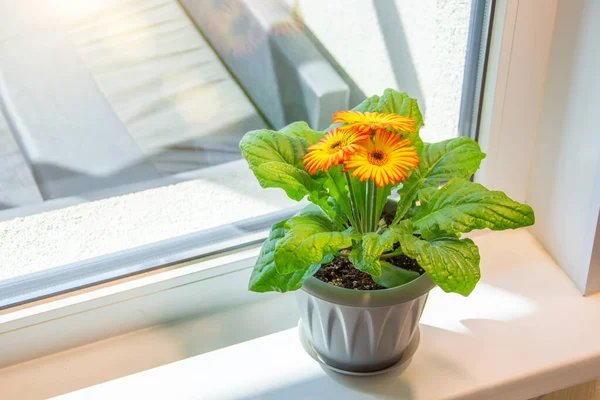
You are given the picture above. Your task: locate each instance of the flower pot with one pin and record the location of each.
(361, 331)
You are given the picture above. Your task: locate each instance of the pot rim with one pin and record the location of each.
(369, 298)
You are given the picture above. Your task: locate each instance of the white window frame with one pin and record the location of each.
(513, 93)
(511, 122)
(129, 304)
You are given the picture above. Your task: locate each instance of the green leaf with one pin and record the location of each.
(454, 158)
(311, 210)
(442, 161)
(302, 130)
(265, 145)
(462, 206)
(276, 160)
(296, 182)
(356, 257)
(365, 255)
(335, 182)
(392, 276)
(425, 194)
(265, 277)
(308, 240)
(330, 207)
(397, 252)
(451, 263)
(408, 194)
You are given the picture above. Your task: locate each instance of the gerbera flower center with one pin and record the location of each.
(378, 157)
(335, 146)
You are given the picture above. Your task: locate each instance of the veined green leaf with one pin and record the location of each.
(302, 130)
(325, 207)
(308, 240)
(454, 158)
(265, 277)
(453, 264)
(265, 145)
(365, 255)
(296, 182)
(425, 194)
(392, 276)
(276, 160)
(310, 210)
(462, 206)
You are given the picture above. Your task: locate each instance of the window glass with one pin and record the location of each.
(414, 46)
(120, 120)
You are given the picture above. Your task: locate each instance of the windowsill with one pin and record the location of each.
(523, 332)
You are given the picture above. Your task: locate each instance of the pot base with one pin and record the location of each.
(399, 366)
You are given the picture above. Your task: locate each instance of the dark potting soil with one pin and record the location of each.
(341, 272)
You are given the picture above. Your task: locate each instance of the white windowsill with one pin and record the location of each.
(523, 332)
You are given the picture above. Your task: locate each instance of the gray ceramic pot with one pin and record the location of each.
(361, 331)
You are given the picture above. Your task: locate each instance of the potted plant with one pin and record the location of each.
(364, 263)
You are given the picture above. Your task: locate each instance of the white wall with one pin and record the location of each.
(564, 188)
(414, 46)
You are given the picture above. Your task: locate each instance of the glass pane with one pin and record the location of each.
(413, 46)
(120, 120)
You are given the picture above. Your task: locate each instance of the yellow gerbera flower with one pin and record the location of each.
(367, 121)
(332, 149)
(387, 160)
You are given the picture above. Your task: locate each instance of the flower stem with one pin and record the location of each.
(374, 216)
(371, 205)
(354, 205)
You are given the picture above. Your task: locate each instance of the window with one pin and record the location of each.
(120, 120)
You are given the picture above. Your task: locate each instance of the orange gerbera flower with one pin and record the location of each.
(332, 149)
(367, 121)
(387, 160)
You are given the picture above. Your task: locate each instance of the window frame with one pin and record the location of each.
(513, 93)
(126, 305)
(87, 273)
(478, 49)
